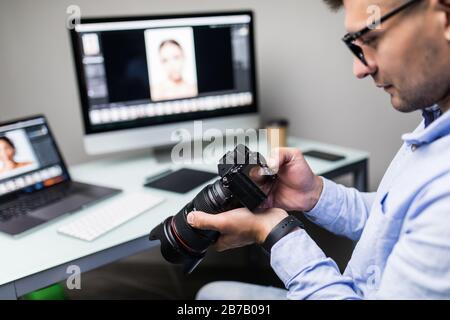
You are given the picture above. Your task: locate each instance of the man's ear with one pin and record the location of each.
(444, 5)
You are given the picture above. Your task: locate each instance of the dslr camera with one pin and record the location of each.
(245, 181)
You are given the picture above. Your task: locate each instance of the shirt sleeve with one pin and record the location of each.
(341, 210)
(306, 272)
(418, 267)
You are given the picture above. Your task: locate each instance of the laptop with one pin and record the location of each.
(35, 185)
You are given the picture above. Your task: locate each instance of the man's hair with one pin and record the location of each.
(334, 4)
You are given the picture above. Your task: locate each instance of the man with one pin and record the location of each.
(402, 230)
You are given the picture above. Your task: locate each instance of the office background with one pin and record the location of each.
(305, 72)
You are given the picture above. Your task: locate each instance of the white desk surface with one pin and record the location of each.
(43, 248)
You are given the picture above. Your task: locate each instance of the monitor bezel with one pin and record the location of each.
(90, 129)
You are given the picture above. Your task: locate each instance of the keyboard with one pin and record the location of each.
(109, 216)
(32, 201)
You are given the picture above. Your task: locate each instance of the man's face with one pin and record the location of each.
(408, 56)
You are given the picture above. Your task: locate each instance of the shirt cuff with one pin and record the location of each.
(325, 209)
(293, 254)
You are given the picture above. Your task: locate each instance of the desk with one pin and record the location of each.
(41, 257)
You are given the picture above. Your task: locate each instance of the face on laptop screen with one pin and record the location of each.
(29, 159)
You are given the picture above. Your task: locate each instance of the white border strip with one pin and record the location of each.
(174, 22)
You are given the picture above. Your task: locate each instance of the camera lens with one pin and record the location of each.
(183, 244)
(241, 184)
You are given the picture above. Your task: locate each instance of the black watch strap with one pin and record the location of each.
(280, 230)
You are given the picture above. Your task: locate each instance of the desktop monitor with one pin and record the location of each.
(141, 79)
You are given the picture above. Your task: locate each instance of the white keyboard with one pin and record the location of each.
(109, 216)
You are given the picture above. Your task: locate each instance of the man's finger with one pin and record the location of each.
(257, 175)
(281, 156)
(205, 221)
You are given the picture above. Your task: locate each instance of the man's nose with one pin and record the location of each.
(360, 70)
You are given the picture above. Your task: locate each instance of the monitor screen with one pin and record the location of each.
(29, 158)
(143, 71)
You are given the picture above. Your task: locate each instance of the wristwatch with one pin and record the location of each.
(283, 228)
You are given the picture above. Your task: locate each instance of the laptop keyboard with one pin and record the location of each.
(34, 201)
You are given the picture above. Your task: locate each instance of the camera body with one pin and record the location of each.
(245, 181)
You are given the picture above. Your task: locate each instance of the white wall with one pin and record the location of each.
(304, 71)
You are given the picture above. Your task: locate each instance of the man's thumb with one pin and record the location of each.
(202, 220)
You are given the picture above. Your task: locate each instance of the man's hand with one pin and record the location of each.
(239, 227)
(297, 188)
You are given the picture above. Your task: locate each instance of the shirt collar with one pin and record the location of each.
(436, 129)
(430, 114)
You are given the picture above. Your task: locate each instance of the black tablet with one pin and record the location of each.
(180, 181)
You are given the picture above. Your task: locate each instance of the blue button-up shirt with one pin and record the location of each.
(402, 230)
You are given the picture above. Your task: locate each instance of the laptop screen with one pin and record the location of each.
(29, 158)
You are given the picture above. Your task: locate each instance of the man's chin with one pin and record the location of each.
(401, 105)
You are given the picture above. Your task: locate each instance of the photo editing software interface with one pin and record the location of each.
(29, 160)
(146, 71)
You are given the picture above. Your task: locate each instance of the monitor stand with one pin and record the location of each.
(163, 154)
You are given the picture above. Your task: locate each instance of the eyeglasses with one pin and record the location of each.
(350, 38)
